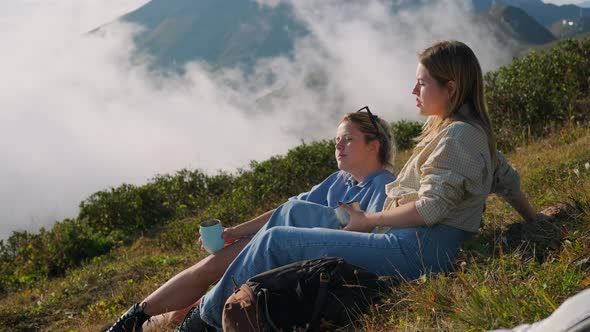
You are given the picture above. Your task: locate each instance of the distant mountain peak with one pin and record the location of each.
(520, 25)
(220, 32)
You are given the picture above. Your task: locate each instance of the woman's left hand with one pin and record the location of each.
(549, 213)
(358, 220)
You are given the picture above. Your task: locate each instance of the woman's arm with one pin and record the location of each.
(231, 234)
(234, 233)
(506, 184)
(402, 216)
(522, 205)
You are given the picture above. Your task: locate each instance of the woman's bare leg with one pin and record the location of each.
(187, 287)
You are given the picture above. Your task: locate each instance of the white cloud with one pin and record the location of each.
(563, 2)
(269, 3)
(77, 116)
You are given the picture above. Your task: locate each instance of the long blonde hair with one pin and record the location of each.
(382, 133)
(454, 61)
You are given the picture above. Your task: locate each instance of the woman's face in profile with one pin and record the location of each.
(432, 98)
(352, 153)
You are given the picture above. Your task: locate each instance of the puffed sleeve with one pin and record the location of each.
(506, 181)
(453, 170)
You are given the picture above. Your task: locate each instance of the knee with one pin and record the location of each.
(285, 208)
(282, 216)
(273, 237)
(293, 206)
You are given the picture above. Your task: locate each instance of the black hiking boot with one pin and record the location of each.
(131, 321)
(194, 323)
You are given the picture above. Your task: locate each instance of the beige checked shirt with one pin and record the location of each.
(449, 178)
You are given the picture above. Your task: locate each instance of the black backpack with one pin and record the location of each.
(311, 295)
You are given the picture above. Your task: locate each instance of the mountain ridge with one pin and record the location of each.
(220, 32)
(225, 33)
(520, 25)
(544, 13)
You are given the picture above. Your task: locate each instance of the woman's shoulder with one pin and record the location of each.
(463, 136)
(463, 130)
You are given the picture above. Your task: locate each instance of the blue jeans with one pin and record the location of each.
(301, 230)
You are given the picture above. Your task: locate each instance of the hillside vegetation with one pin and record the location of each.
(127, 240)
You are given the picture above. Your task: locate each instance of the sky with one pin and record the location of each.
(79, 114)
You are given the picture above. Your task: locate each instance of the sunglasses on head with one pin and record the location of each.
(371, 116)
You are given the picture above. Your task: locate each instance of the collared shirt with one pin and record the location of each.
(450, 176)
(341, 187)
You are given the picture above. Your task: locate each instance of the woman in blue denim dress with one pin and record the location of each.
(364, 153)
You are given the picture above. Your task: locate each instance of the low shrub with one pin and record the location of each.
(405, 133)
(538, 92)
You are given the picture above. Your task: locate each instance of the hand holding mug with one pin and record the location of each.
(357, 219)
(211, 235)
(343, 216)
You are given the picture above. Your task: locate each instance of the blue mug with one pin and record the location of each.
(211, 231)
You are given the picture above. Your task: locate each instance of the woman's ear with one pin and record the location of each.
(375, 145)
(451, 88)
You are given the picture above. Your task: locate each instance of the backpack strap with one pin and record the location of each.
(320, 300)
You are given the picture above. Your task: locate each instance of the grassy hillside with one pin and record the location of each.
(511, 273)
(127, 240)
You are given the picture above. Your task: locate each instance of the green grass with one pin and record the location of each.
(96, 292)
